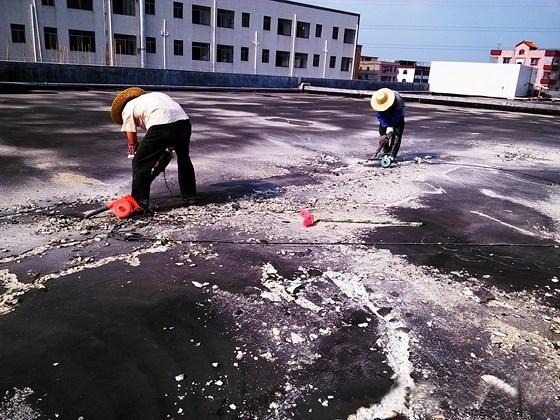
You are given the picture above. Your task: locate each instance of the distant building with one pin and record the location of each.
(546, 62)
(422, 73)
(413, 72)
(389, 71)
(370, 68)
(406, 71)
(266, 37)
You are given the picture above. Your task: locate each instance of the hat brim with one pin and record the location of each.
(120, 101)
(385, 105)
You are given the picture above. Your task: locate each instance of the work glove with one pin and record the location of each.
(389, 130)
(132, 150)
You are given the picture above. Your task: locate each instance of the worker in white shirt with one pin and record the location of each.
(168, 126)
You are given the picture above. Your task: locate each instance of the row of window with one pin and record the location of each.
(224, 18)
(126, 45)
(79, 40)
(534, 61)
(225, 54)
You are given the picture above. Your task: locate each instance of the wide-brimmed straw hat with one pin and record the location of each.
(120, 101)
(382, 99)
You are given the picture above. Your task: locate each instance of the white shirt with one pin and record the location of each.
(149, 109)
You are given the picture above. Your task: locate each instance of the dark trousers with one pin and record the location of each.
(158, 137)
(393, 148)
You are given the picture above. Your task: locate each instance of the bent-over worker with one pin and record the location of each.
(168, 126)
(390, 112)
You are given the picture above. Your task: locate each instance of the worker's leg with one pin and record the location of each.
(149, 150)
(187, 177)
(396, 141)
(383, 140)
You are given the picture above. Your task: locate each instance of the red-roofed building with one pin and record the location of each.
(547, 62)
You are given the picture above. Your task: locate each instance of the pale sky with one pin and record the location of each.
(450, 30)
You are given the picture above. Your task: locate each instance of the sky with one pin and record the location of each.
(450, 30)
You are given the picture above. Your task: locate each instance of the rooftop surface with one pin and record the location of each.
(232, 309)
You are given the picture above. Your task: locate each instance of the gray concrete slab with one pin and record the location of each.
(234, 310)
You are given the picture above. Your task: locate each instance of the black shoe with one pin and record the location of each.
(190, 200)
(145, 208)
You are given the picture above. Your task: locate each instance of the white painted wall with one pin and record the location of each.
(102, 22)
(480, 79)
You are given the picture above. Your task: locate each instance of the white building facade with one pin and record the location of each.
(265, 37)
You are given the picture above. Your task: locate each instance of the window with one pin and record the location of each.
(150, 7)
(534, 61)
(507, 60)
(265, 56)
(521, 52)
(282, 58)
(125, 44)
(284, 27)
(124, 7)
(316, 59)
(225, 53)
(81, 40)
(178, 12)
(245, 20)
(226, 18)
(302, 29)
(151, 44)
(318, 31)
(349, 36)
(332, 63)
(405, 72)
(201, 51)
(266, 23)
(345, 64)
(244, 54)
(300, 60)
(80, 4)
(18, 33)
(51, 38)
(47, 2)
(177, 47)
(335, 32)
(200, 15)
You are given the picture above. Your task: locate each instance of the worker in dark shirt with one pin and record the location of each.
(390, 113)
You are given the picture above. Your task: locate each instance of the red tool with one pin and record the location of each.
(310, 220)
(126, 205)
(122, 207)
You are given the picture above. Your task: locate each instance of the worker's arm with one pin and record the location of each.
(132, 143)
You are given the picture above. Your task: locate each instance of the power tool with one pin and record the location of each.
(384, 143)
(126, 205)
(162, 162)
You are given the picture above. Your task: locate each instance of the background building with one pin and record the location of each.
(370, 68)
(406, 71)
(421, 73)
(265, 37)
(546, 62)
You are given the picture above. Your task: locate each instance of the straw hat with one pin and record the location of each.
(382, 99)
(120, 101)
